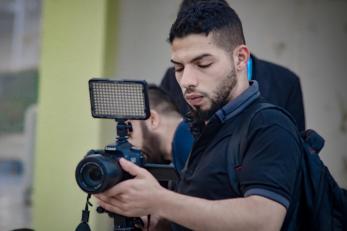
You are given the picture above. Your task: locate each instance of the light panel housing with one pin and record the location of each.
(119, 99)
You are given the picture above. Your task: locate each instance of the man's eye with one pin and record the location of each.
(178, 69)
(204, 65)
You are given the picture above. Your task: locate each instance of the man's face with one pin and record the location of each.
(205, 73)
(148, 141)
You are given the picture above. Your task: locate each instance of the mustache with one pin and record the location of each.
(190, 90)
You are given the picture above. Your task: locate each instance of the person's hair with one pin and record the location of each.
(205, 17)
(161, 101)
(187, 3)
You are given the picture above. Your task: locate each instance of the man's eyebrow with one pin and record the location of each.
(193, 60)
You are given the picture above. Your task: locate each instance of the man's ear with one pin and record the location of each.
(241, 55)
(154, 120)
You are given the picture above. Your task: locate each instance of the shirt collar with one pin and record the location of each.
(237, 105)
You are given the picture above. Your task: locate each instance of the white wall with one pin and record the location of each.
(144, 28)
(307, 36)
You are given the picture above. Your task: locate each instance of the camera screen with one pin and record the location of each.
(119, 99)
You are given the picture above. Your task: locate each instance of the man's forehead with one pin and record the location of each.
(192, 47)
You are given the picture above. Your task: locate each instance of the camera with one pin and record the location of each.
(99, 170)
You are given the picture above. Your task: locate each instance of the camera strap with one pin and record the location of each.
(83, 226)
(148, 221)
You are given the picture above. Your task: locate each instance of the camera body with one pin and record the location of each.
(99, 169)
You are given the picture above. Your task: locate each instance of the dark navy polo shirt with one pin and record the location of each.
(269, 166)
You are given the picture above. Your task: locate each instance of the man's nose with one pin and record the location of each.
(189, 78)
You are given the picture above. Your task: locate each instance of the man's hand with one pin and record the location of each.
(134, 197)
(143, 195)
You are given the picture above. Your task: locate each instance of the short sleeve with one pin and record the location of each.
(270, 164)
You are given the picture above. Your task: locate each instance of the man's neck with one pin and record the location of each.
(241, 86)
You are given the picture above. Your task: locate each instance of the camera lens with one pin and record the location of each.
(97, 172)
(92, 175)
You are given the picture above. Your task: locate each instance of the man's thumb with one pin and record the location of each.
(130, 167)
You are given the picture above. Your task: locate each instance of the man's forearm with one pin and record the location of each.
(251, 213)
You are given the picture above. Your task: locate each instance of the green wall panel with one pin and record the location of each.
(78, 42)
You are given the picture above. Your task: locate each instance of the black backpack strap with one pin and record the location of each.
(238, 142)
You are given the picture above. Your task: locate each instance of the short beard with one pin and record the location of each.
(221, 98)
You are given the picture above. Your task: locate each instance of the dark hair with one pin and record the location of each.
(187, 3)
(161, 101)
(204, 17)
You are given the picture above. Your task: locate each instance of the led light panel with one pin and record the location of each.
(125, 99)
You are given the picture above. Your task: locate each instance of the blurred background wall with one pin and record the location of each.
(68, 42)
(20, 25)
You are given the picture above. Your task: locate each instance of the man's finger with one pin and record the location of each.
(132, 168)
(117, 190)
(113, 206)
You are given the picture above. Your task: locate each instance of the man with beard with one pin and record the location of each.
(164, 137)
(277, 84)
(210, 57)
